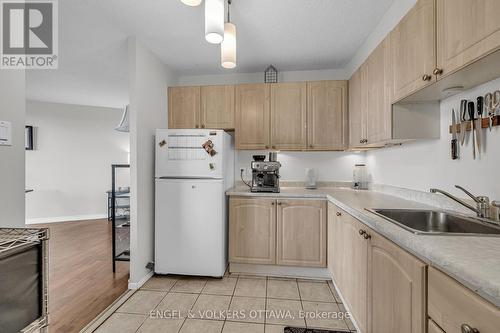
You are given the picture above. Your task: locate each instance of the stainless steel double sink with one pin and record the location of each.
(430, 222)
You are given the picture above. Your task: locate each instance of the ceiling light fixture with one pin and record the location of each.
(192, 3)
(214, 21)
(228, 46)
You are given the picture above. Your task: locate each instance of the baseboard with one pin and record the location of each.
(280, 271)
(66, 218)
(137, 285)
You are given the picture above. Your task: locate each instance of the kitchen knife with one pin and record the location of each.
(463, 124)
(471, 116)
(479, 125)
(454, 145)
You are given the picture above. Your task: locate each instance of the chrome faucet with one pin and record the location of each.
(482, 208)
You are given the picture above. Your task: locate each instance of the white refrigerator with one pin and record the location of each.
(194, 168)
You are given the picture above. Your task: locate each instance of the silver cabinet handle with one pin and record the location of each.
(467, 329)
(437, 71)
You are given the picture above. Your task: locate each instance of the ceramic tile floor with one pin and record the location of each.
(236, 303)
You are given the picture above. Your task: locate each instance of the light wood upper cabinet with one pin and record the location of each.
(413, 45)
(183, 107)
(357, 127)
(252, 116)
(350, 264)
(288, 116)
(396, 298)
(252, 230)
(301, 233)
(326, 115)
(451, 305)
(466, 31)
(217, 107)
(378, 106)
(370, 91)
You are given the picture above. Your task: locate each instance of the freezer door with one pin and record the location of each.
(190, 227)
(181, 153)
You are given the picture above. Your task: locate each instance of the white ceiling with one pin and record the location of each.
(291, 34)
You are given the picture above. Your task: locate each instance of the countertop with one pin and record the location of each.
(473, 261)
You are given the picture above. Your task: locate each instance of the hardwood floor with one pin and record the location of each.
(81, 280)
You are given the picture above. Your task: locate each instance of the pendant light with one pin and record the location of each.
(214, 21)
(192, 3)
(228, 46)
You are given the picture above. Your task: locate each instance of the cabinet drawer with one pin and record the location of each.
(451, 305)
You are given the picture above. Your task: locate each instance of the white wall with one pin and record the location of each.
(12, 108)
(70, 168)
(329, 166)
(423, 165)
(288, 76)
(149, 79)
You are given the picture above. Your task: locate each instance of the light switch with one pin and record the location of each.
(5, 133)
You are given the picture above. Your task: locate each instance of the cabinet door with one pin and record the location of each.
(252, 231)
(334, 242)
(288, 116)
(183, 107)
(217, 107)
(357, 125)
(396, 284)
(452, 305)
(414, 50)
(326, 115)
(350, 265)
(433, 328)
(378, 107)
(466, 31)
(252, 116)
(301, 233)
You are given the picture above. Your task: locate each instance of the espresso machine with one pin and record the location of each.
(265, 174)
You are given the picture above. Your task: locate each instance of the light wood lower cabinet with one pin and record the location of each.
(283, 232)
(349, 263)
(382, 285)
(432, 327)
(301, 233)
(451, 306)
(252, 231)
(397, 290)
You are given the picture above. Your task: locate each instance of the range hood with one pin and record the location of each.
(124, 123)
